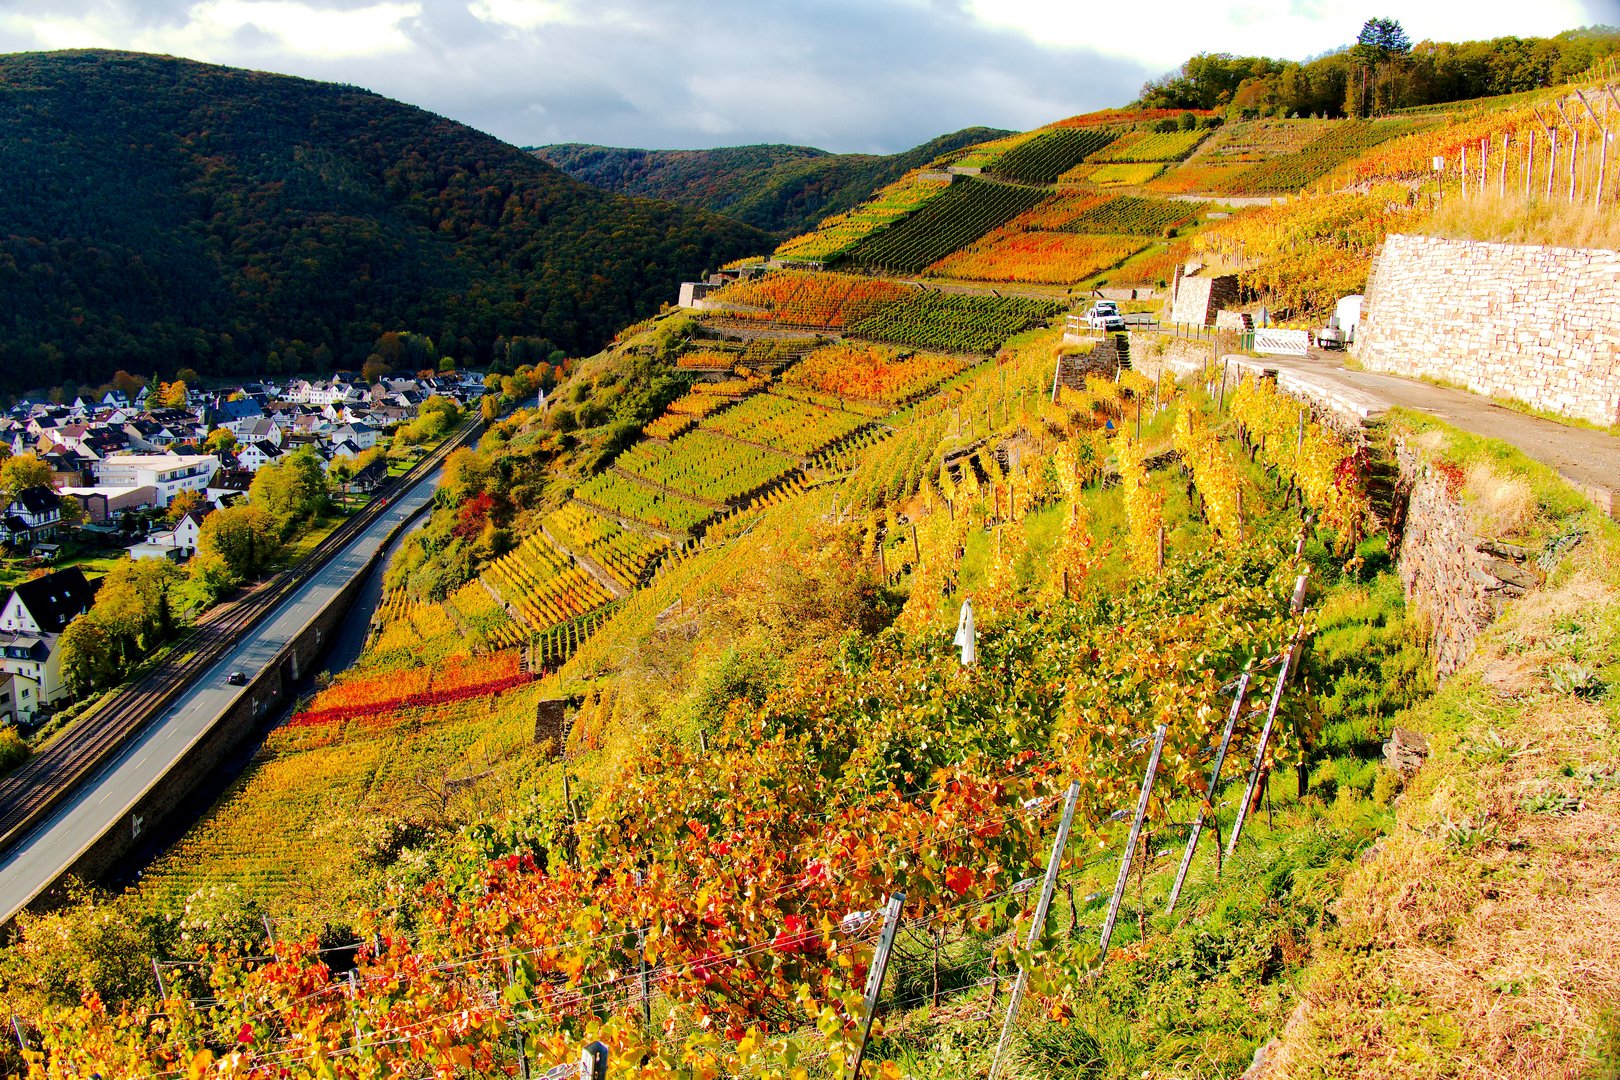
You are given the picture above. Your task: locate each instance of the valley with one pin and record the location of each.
(861, 662)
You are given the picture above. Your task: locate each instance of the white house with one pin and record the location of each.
(35, 514)
(255, 455)
(31, 622)
(178, 542)
(361, 434)
(168, 474)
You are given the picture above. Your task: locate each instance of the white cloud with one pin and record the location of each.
(522, 14)
(229, 30)
(1290, 29)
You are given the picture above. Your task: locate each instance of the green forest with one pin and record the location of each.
(784, 190)
(161, 214)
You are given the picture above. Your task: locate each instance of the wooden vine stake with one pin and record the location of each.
(1038, 926)
(1127, 854)
(1284, 670)
(874, 978)
(1208, 805)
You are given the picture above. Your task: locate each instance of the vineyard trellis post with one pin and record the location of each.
(1258, 769)
(157, 972)
(1603, 149)
(17, 1030)
(874, 979)
(643, 979)
(1127, 853)
(1038, 926)
(354, 1003)
(1240, 694)
(593, 1062)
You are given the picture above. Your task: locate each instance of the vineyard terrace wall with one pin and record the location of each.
(1540, 325)
(1456, 580)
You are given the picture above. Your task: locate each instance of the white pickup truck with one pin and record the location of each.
(1104, 315)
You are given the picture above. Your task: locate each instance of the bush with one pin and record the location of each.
(14, 748)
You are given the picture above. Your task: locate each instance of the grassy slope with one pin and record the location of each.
(784, 190)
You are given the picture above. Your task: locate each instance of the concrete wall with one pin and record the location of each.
(269, 690)
(1537, 324)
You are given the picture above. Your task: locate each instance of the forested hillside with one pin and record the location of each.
(161, 213)
(782, 189)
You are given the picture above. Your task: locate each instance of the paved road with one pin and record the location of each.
(1588, 459)
(36, 861)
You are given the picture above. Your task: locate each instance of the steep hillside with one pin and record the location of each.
(782, 189)
(164, 213)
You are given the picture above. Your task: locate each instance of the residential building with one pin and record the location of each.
(168, 474)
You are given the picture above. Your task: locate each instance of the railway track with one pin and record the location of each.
(34, 790)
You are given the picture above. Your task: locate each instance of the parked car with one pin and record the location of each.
(1330, 336)
(1104, 315)
(237, 678)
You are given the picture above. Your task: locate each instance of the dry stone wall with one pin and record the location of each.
(1457, 580)
(1540, 325)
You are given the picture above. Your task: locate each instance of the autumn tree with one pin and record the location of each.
(87, 655)
(19, 473)
(184, 503)
(220, 441)
(132, 605)
(292, 490)
(245, 538)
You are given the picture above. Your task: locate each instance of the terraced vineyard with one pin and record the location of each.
(1342, 142)
(836, 235)
(480, 612)
(793, 427)
(1044, 157)
(1054, 258)
(880, 374)
(961, 215)
(622, 497)
(936, 320)
(543, 585)
(1056, 211)
(803, 298)
(1152, 146)
(1134, 216)
(707, 466)
(1124, 175)
(623, 553)
(1260, 140)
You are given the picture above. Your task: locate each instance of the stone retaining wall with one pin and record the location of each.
(1456, 580)
(1540, 325)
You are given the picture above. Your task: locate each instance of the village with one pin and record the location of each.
(133, 476)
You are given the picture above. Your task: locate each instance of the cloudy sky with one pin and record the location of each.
(869, 75)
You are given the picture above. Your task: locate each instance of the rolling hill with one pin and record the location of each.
(781, 189)
(165, 213)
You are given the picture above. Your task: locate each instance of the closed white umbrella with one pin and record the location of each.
(965, 636)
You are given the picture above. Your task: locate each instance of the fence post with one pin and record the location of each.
(593, 1062)
(1038, 927)
(1126, 855)
(1283, 670)
(874, 978)
(1214, 779)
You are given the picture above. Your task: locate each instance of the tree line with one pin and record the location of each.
(1381, 72)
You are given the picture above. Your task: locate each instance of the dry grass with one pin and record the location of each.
(1512, 220)
(1502, 504)
(1484, 938)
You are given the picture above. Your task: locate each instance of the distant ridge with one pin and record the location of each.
(162, 213)
(784, 190)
